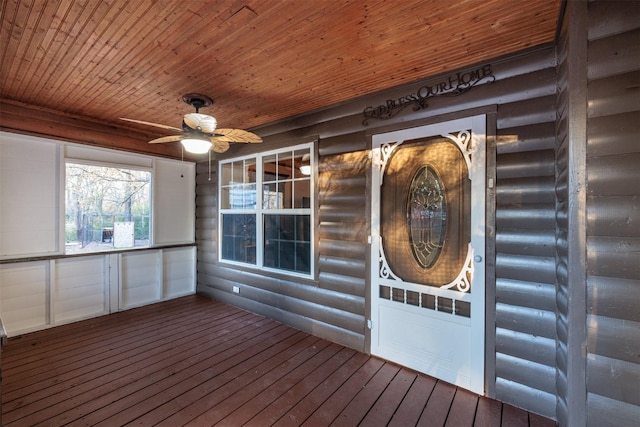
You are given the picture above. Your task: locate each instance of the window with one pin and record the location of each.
(106, 208)
(265, 210)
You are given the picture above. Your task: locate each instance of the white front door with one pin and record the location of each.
(427, 249)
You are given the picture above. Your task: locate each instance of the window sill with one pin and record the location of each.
(113, 251)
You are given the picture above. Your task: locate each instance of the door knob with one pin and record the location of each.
(477, 258)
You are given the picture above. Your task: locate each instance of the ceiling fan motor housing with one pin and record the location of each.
(199, 122)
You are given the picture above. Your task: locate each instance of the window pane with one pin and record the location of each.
(287, 242)
(284, 189)
(276, 195)
(225, 185)
(303, 228)
(239, 237)
(303, 257)
(106, 208)
(242, 196)
(271, 198)
(237, 188)
(250, 171)
(285, 170)
(302, 193)
(249, 196)
(302, 163)
(225, 202)
(269, 168)
(226, 173)
(238, 172)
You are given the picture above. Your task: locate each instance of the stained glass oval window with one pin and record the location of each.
(426, 216)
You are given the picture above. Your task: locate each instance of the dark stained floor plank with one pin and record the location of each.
(134, 369)
(145, 377)
(60, 356)
(488, 413)
(198, 394)
(332, 407)
(437, 409)
(54, 376)
(536, 420)
(265, 362)
(257, 401)
(119, 324)
(28, 343)
(46, 392)
(58, 360)
(174, 378)
(276, 409)
(358, 407)
(257, 384)
(194, 361)
(382, 412)
(307, 406)
(463, 409)
(515, 417)
(414, 401)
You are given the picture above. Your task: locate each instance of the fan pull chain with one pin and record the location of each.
(209, 165)
(182, 160)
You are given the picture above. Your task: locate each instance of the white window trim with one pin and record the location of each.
(259, 212)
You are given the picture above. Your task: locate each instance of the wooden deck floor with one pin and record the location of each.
(193, 361)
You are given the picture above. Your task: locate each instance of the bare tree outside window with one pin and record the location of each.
(100, 201)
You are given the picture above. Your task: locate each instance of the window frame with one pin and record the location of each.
(106, 164)
(260, 211)
(35, 198)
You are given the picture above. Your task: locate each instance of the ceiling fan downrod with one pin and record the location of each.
(197, 100)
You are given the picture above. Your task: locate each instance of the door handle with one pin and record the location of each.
(477, 258)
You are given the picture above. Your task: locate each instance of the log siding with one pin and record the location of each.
(521, 104)
(612, 213)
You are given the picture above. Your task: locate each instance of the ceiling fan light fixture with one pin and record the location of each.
(196, 145)
(305, 169)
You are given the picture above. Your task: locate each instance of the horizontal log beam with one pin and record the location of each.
(22, 118)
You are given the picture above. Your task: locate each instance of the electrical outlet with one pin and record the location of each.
(236, 289)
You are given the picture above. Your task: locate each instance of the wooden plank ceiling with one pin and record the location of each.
(261, 60)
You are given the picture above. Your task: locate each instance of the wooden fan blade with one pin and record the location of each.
(152, 124)
(219, 144)
(172, 138)
(238, 135)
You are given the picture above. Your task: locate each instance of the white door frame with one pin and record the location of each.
(463, 363)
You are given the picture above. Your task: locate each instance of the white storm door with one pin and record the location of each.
(428, 248)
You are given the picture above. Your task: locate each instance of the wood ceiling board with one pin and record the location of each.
(261, 61)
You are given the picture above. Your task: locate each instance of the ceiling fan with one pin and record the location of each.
(199, 133)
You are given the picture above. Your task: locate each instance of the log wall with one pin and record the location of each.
(613, 213)
(521, 301)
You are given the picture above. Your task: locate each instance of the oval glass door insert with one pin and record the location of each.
(426, 216)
